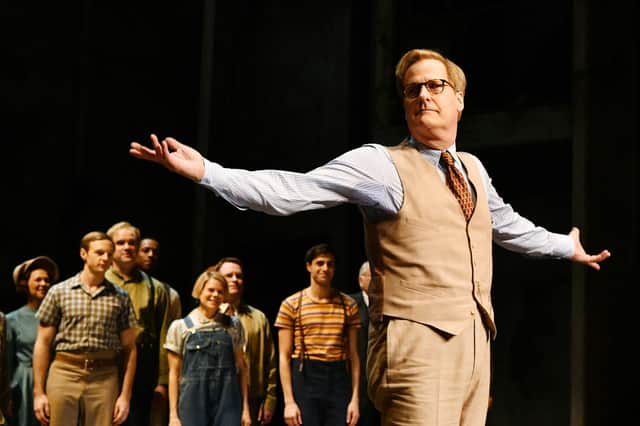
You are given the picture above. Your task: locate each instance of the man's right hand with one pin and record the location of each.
(173, 155)
(41, 408)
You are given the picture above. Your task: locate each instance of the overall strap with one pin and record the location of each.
(188, 321)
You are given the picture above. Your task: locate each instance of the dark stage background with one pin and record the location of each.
(551, 109)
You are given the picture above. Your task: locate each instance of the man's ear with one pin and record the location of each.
(460, 98)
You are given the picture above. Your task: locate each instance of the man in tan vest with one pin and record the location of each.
(431, 215)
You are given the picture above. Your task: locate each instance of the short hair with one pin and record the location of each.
(318, 250)
(454, 72)
(124, 225)
(224, 260)
(149, 237)
(92, 236)
(204, 278)
(364, 268)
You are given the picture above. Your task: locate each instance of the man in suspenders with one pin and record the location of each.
(317, 344)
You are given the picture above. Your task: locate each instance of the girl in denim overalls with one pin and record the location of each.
(207, 371)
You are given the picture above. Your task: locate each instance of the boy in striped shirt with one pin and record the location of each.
(317, 345)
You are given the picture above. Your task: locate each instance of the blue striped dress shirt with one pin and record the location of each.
(367, 177)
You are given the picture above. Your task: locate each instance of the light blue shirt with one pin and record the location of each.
(367, 177)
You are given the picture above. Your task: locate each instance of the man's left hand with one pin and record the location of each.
(580, 256)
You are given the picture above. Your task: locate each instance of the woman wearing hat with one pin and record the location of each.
(32, 277)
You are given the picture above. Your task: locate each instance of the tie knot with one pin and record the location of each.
(446, 158)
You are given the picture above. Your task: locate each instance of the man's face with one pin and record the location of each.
(148, 254)
(232, 272)
(99, 256)
(364, 280)
(321, 270)
(432, 118)
(126, 247)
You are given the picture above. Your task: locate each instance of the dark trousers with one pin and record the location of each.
(144, 383)
(322, 391)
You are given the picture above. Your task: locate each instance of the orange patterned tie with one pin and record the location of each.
(457, 184)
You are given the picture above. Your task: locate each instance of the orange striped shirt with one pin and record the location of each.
(324, 325)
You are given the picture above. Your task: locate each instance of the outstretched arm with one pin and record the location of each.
(364, 176)
(580, 256)
(173, 155)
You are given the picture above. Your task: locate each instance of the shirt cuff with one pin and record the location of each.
(563, 246)
(211, 170)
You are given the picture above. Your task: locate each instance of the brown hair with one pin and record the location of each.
(318, 250)
(92, 236)
(224, 260)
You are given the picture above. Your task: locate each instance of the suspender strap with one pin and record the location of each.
(152, 289)
(188, 322)
(345, 337)
(303, 351)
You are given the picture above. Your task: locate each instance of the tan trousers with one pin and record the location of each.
(81, 396)
(420, 376)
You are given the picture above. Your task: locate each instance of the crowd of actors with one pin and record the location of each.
(109, 345)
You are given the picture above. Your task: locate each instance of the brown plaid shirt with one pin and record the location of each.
(86, 322)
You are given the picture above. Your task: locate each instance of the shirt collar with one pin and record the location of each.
(76, 282)
(136, 275)
(433, 155)
(200, 317)
(365, 298)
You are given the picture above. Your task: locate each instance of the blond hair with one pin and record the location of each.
(454, 72)
(204, 278)
(124, 225)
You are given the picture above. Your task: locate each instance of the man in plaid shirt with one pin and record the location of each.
(89, 322)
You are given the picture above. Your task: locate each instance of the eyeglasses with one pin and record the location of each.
(435, 87)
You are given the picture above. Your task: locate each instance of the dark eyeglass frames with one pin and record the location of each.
(435, 87)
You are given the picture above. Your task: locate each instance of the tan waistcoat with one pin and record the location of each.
(428, 264)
